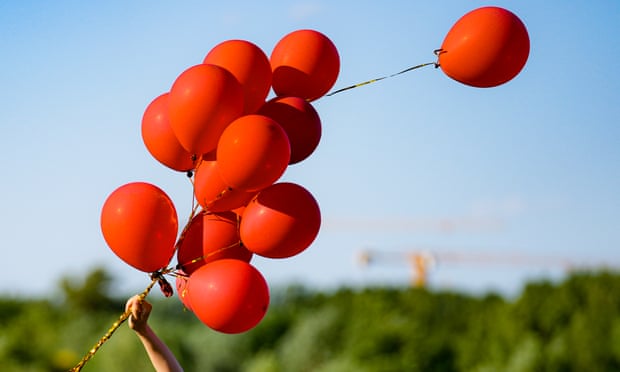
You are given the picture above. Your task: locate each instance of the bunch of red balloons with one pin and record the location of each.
(217, 124)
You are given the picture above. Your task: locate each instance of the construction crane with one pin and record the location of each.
(422, 261)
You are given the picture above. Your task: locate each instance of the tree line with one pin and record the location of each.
(572, 325)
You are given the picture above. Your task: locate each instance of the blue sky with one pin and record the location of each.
(529, 169)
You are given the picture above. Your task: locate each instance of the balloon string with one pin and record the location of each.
(192, 214)
(155, 277)
(384, 77)
(222, 193)
(204, 257)
(181, 266)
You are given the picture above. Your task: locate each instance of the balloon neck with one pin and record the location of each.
(438, 52)
(164, 285)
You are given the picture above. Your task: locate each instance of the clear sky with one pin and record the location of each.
(417, 162)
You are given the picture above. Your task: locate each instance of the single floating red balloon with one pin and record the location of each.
(228, 295)
(140, 225)
(305, 63)
(486, 47)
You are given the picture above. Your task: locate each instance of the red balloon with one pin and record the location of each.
(209, 237)
(239, 211)
(486, 47)
(299, 120)
(221, 237)
(211, 191)
(253, 152)
(189, 245)
(139, 223)
(204, 99)
(160, 140)
(229, 296)
(305, 63)
(281, 221)
(249, 64)
(182, 283)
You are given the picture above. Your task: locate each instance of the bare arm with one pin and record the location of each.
(160, 355)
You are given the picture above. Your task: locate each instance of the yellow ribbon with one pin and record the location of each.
(383, 77)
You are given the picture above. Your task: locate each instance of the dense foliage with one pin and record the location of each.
(573, 325)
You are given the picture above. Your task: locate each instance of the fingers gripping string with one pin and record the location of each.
(436, 64)
(155, 278)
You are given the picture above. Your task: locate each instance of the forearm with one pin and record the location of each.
(161, 357)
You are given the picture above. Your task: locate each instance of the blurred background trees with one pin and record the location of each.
(573, 325)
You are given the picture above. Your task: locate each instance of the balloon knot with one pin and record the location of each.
(164, 286)
(437, 52)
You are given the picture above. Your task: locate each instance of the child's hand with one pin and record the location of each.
(140, 311)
